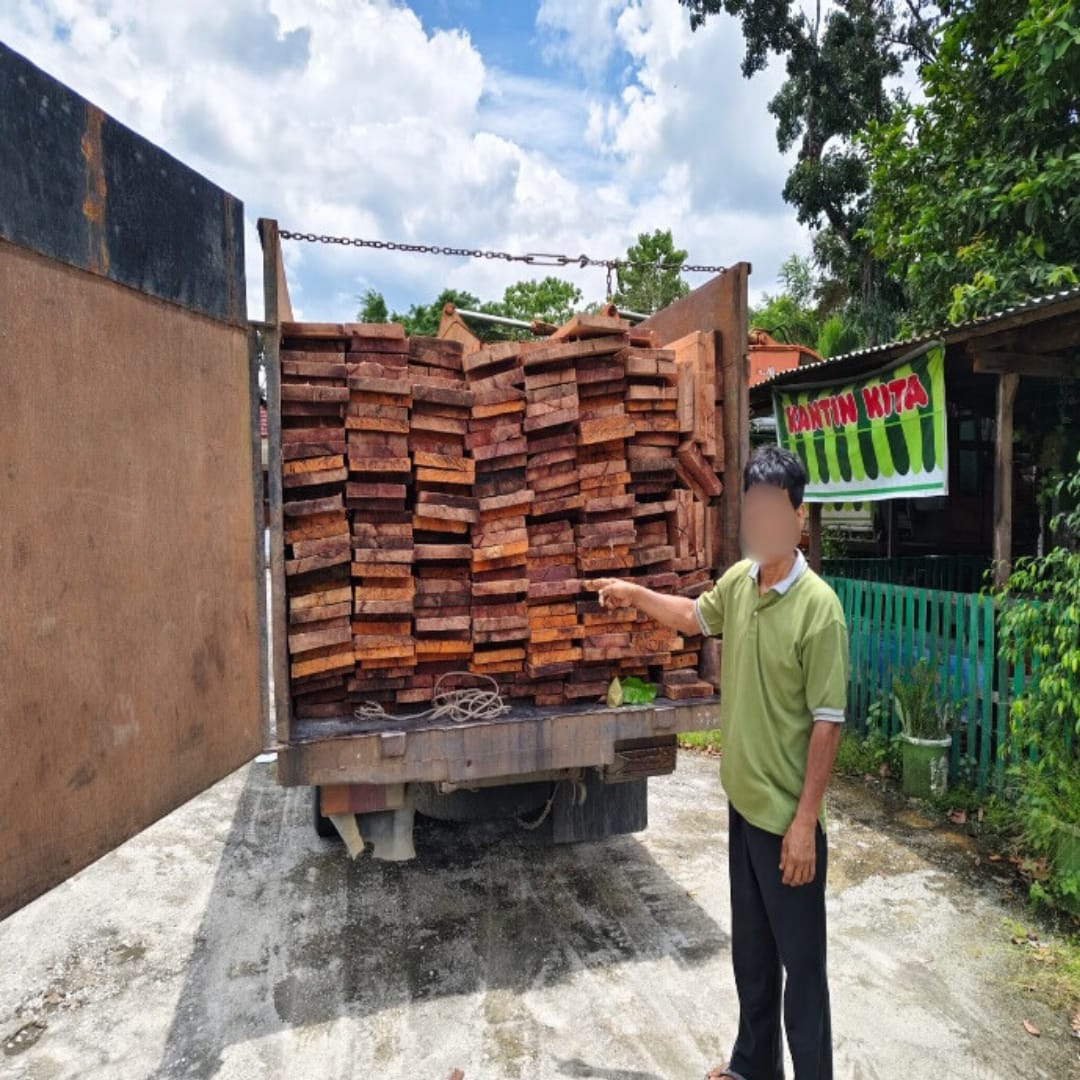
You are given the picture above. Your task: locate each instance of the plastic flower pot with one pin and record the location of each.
(926, 766)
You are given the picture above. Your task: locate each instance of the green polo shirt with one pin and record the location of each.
(784, 668)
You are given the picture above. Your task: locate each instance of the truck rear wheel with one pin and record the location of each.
(483, 804)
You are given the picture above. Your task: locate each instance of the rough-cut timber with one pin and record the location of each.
(447, 512)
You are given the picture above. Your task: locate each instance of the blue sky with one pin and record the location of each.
(523, 125)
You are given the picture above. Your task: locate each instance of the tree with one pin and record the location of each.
(549, 300)
(651, 278)
(977, 191)
(837, 74)
(798, 315)
(373, 309)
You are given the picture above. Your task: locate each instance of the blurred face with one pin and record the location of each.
(771, 526)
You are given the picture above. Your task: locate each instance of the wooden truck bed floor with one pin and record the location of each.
(529, 739)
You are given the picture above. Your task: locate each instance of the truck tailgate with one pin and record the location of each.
(529, 739)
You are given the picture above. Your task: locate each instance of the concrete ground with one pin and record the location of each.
(228, 941)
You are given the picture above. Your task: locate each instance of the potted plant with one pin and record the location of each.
(924, 731)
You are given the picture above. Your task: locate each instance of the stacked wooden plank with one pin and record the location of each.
(499, 582)
(652, 401)
(445, 504)
(496, 442)
(314, 395)
(477, 497)
(380, 469)
(552, 414)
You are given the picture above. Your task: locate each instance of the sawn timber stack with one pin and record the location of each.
(449, 511)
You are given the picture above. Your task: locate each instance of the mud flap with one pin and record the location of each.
(607, 809)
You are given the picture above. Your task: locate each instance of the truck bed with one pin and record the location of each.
(528, 739)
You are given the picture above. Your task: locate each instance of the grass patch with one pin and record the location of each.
(701, 740)
(991, 813)
(1048, 968)
(867, 755)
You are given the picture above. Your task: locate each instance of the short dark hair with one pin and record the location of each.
(777, 467)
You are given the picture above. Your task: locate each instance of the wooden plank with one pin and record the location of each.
(605, 430)
(298, 364)
(591, 326)
(315, 479)
(560, 351)
(303, 507)
(321, 394)
(308, 330)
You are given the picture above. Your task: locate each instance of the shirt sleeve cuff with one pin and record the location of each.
(700, 617)
(833, 716)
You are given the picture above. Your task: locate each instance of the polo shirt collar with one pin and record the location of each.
(797, 571)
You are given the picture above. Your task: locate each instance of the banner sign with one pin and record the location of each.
(878, 437)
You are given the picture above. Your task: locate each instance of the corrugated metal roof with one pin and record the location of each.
(946, 333)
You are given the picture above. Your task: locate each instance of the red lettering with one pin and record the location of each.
(804, 418)
(896, 391)
(915, 395)
(876, 400)
(792, 413)
(848, 410)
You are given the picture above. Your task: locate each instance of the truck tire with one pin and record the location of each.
(483, 804)
(324, 827)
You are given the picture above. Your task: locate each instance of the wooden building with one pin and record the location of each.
(1010, 394)
(1009, 420)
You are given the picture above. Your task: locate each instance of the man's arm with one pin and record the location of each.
(674, 611)
(825, 662)
(798, 852)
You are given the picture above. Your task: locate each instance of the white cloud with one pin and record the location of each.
(579, 32)
(349, 117)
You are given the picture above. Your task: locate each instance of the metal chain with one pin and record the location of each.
(531, 259)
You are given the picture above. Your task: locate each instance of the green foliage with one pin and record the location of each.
(549, 300)
(837, 336)
(373, 308)
(866, 755)
(1040, 626)
(420, 319)
(636, 691)
(791, 315)
(837, 77)
(709, 740)
(796, 314)
(652, 281)
(916, 695)
(833, 543)
(977, 191)
(942, 210)
(860, 755)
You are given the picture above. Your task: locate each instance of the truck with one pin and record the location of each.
(143, 657)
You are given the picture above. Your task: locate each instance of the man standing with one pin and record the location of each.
(783, 689)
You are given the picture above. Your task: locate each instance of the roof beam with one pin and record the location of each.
(1062, 333)
(1003, 362)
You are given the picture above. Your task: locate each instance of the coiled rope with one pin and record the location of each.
(459, 705)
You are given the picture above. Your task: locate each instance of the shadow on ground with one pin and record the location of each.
(294, 934)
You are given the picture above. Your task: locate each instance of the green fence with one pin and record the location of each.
(951, 573)
(892, 627)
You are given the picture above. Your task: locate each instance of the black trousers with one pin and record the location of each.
(777, 930)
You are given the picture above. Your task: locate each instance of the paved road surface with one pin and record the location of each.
(228, 941)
